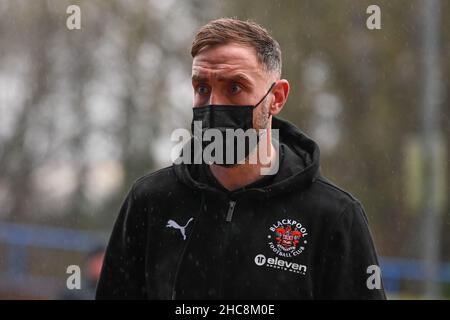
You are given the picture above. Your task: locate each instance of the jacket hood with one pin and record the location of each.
(297, 170)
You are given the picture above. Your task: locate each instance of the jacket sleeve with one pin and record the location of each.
(350, 268)
(123, 271)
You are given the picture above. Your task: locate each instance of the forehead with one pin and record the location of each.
(224, 58)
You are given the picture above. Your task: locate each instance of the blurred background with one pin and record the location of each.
(83, 113)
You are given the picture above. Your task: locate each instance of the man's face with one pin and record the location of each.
(230, 74)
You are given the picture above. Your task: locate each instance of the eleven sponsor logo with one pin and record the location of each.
(278, 263)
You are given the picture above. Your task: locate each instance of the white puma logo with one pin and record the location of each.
(173, 224)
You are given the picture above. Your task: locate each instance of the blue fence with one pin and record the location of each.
(17, 238)
(394, 270)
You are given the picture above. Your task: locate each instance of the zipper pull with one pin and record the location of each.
(231, 206)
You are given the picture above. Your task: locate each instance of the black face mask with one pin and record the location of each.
(222, 117)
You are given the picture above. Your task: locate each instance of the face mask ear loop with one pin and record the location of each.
(268, 91)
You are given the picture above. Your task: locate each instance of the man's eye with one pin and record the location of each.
(201, 89)
(235, 88)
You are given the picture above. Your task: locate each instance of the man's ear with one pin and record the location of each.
(280, 93)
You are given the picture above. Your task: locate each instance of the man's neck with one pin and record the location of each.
(238, 176)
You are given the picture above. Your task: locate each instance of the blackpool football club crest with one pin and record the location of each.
(287, 238)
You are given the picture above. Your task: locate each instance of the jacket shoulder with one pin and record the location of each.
(162, 180)
(332, 201)
(335, 192)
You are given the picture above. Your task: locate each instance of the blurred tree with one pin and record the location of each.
(362, 86)
(82, 110)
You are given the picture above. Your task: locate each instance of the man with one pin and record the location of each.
(224, 230)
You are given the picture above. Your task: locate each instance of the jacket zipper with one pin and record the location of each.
(231, 206)
(228, 219)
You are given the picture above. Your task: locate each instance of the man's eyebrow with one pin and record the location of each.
(233, 77)
(199, 78)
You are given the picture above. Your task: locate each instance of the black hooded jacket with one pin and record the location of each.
(295, 236)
